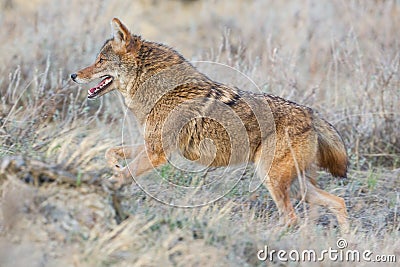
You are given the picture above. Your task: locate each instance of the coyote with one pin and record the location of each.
(155, 81)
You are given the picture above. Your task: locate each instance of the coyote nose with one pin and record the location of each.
(73, 76)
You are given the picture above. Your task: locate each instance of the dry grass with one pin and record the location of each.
(339, 57)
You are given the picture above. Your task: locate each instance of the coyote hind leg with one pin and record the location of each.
(317, 196)
(279, 189)
(278, 184)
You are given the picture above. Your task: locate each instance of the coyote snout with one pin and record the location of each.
(91, 73)
(140, 69)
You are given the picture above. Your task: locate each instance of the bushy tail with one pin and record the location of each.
(331, 153)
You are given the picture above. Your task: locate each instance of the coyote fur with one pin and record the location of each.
(142, 70)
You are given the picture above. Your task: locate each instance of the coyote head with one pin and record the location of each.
(116, 65)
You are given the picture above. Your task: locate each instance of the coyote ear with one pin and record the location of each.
(121, 32)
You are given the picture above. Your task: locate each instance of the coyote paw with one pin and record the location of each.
(116, 182)
(118, 179)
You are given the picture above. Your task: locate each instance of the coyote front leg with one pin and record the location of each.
(115, 155)
(142, 162)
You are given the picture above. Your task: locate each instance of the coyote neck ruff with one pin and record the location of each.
(183, 111)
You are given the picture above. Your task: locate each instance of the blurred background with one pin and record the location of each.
(340, 57)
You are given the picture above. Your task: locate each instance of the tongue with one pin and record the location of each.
(92, 90)
(97, 87)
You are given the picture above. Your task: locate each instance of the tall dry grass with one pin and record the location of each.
(339, 57)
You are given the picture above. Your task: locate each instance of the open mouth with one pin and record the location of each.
(104, 84)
